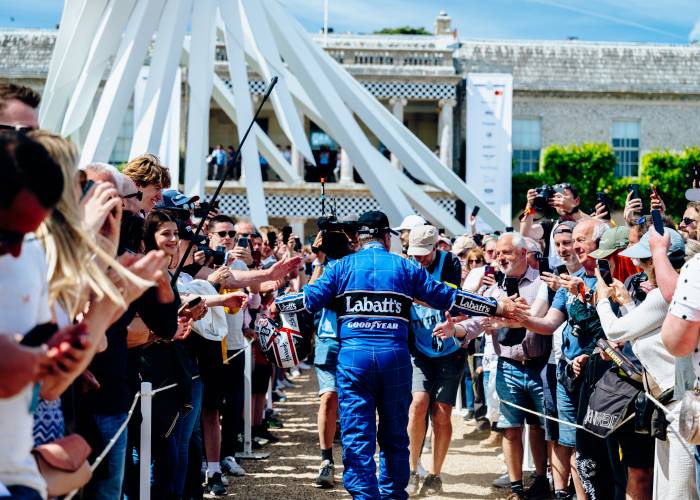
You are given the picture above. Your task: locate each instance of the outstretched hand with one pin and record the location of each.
(446, 329)
(513, 308)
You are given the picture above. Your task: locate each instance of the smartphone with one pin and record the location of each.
(511, 286)
(87, 187)
(242, 242)
(297, 245)
(604, 267)
(39, 335)
(562, 270)
(194, 301)
(286, 232)
(658, 221)
(475, 210)
(634, 188)
(489, 270)
(257, 257)
(544, 265)
(509, 229)
(272, 239)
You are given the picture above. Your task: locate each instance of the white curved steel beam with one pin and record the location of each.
(200, 74)
(119, 87)
(104, 46)
(232, 20)
(150, 122)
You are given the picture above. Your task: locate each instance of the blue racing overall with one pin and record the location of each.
(372, 292)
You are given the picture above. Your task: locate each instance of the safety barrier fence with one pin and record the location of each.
(146, 395)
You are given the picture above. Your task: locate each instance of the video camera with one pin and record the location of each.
(219, 254)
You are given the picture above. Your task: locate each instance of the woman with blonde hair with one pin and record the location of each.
(84, 278)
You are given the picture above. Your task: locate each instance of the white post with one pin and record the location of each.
(325, 23)
(247, 405)
(297, 157)
(145, 451)
(248, 408)
(346, 176)
(445, 131)
(397, 105)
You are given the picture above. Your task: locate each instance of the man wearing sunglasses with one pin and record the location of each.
(18, 108)
(437, 366)
(689, 226)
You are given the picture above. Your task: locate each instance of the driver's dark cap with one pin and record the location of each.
(374, 223)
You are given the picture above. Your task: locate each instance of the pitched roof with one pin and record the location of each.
(587, 66)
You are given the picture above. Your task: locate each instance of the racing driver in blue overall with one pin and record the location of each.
(372, 292)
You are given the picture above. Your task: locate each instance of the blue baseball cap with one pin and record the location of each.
(642, 250)
(172, 198)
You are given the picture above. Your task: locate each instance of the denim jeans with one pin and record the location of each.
(183, 433)
(24, 493)
(468, 388)
(106, 483)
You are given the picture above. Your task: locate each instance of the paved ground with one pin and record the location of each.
(293, 464)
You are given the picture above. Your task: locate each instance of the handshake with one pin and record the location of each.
(510, 312)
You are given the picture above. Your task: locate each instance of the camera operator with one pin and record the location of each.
(534, 222)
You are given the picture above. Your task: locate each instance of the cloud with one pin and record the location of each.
(695, 32)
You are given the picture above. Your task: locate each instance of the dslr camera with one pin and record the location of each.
(219, 254)
(544, 193)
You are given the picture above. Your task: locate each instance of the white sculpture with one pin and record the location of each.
(259, 33)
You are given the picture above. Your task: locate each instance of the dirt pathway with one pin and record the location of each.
(293, 464)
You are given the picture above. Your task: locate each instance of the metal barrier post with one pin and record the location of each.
(145, 451)
(248, 409)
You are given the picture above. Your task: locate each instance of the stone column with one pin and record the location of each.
(297, 158)
(445, 130)
(346, 169)
(397, 106)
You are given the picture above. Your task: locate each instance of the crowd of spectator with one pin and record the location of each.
(105, 284)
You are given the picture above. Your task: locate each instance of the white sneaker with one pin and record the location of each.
(422, 473)
(502, 482)
(295, 372)
(230, 467)
(304, 366)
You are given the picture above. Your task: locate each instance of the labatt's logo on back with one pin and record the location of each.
(365, 305)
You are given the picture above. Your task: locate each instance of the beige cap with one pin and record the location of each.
(422, 240)
(462, 244)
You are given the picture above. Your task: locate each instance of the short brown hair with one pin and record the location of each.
(146, 169)
(22, 93)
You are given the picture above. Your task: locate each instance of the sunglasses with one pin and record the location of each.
(475, 261)
(687, 221)
(20, 129)
(223, 234)
(138, 195)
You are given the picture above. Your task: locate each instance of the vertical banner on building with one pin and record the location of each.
(489, 146)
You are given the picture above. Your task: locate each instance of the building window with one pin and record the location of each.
(527, 142)
(625, 142)
(122, 146)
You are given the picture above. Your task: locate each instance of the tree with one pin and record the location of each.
(403, 30)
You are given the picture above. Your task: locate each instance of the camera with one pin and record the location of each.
(544, 193)
(219, 255)
(638, 294)
(204, 208)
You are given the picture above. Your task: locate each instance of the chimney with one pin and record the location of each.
(443, 25)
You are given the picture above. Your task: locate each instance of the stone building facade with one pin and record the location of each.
(636, 97)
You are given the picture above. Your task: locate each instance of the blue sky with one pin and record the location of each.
(665, 21)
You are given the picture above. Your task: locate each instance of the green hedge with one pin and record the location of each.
(590, 168)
